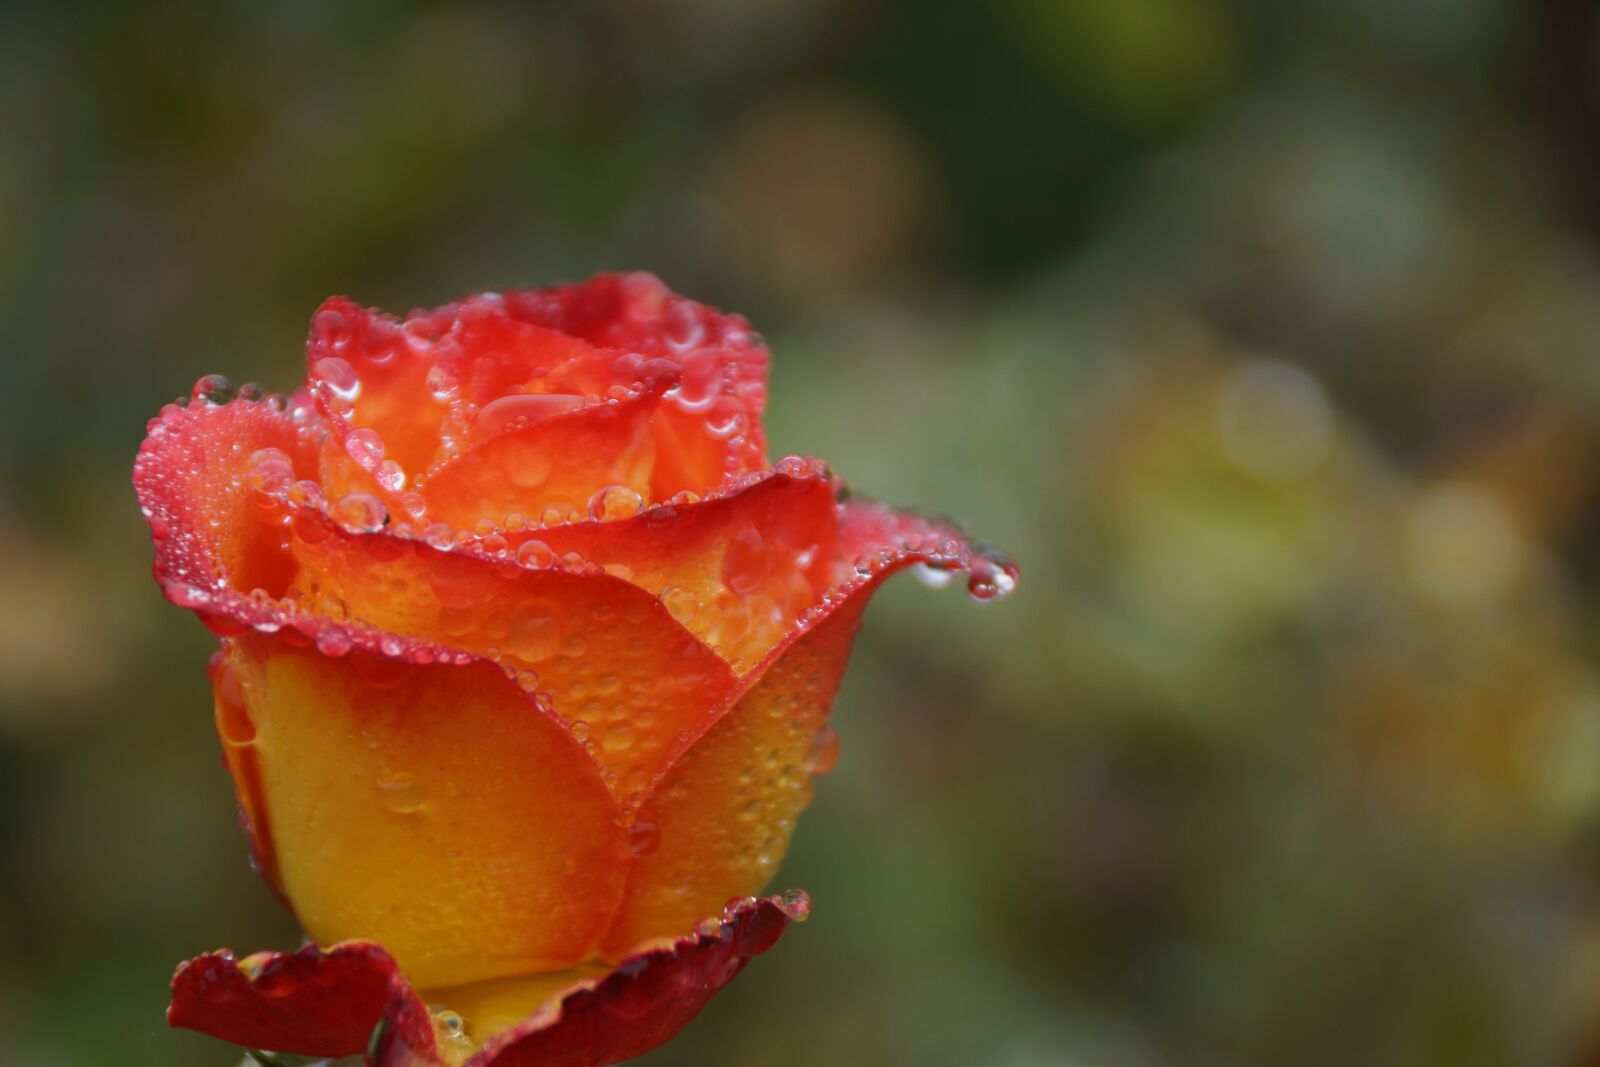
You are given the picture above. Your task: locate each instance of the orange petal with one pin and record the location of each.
(725, 810)
(737, 570)
(313, 1002)
(604, 654)
(556, 464)
(726, 806)
(433, 808)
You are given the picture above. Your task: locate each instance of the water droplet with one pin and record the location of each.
(614, 502)
(334, 642)
(701, 381)
(618, 737)
(644, 837)
(535, 638)
(681, 326)
(400, 793)
(934, 575)
(365, 447)
(234, 724)
(359, 513)
(535, 553)
(681, 603)
(523, 409)
(745, 562)
(824, 751)
(441, 384)
(391, 476)
(991, 574)
(213, 389)
(338, 376)
(530, 473)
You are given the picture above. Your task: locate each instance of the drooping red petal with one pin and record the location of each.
(313, 1002)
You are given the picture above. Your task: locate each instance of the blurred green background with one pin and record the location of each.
(1265, 334)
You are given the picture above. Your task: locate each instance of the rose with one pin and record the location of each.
(527, 656)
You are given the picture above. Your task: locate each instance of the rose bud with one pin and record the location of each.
(526, 660)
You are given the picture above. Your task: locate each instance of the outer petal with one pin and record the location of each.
(194, 477)
(726, 807)
(601, 652)
(313, 1002)
(433, 808)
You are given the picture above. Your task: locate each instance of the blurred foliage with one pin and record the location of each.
(1264, 334)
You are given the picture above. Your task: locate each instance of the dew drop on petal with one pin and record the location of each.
(535, 553)
(365, 447)
(523, 409)
(934, 576)
(991, 574)
(213, 389)
(644, 837)
(681, 603)
(400, 793)
(333, 642)
(339, 376)
(618, 737)
(441, 385)
(359, 513)
(824, 751)
(614, 502)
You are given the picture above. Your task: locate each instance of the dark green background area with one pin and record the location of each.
(1265, 335)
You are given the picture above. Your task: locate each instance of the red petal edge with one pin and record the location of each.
(313, 1002)
(317, 1002)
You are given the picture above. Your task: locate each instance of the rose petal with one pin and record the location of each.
(710, 430)
(604, 653)
(726, 806)
(737, 570)
(433, 808)
(366, 371)
(559, 462)
(194, 482)
(220, 522)
(313, 1002)
(725, 809)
